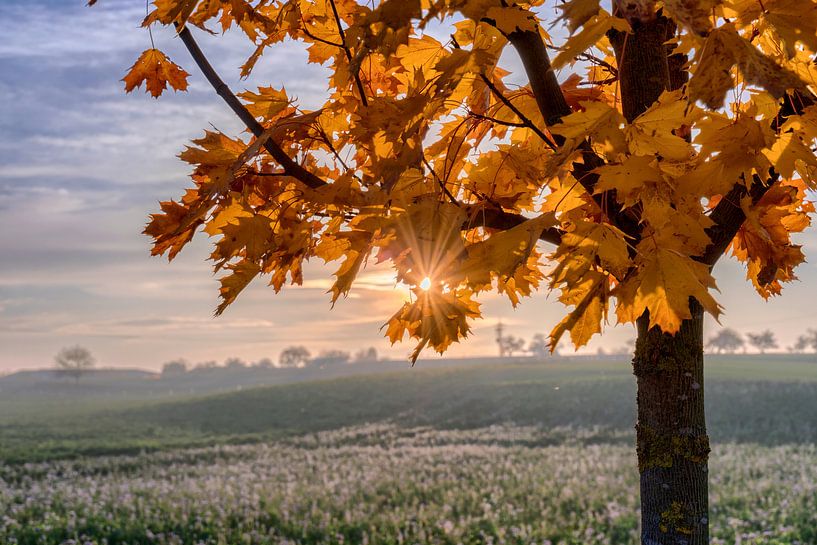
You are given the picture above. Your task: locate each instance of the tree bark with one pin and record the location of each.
(671, 439)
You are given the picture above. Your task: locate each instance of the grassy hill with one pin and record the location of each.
(770, 400)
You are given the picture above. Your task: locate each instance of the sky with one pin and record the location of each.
(82, 164)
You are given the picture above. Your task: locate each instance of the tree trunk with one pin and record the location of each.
(671, 439)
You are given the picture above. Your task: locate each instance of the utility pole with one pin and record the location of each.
(500, 338)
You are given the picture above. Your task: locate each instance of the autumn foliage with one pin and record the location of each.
(423, 157)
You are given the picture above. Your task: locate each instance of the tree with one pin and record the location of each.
(762, 341)
(539, 346)
(510, 345)
(174, 368)
(74, 361)
(806, 342)
(264, 363)
(294, 356)
(235, 363)
(330, 357)
(634, 168)
(367, 355)
(726, 340)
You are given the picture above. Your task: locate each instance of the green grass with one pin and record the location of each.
(385, 485)
(771, 401)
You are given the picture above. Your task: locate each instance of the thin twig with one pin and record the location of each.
(290, 167)
(448, 194)
(527, 122)
(356, 72)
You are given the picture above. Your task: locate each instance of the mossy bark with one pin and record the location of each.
(671, 439)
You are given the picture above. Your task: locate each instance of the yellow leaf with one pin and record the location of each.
(578, 12)
(725, 48)
(593, 29)
(599, 121)
(628, 178)
(789, 153)
(502, 253)
(240, 275)
(651, 132)
(268, 103)
(663, 285)
(590, 298)
(791, 21)
(435, 318)
(510, 19)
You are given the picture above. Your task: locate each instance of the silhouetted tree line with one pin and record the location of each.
(292, 357)
(729, 341)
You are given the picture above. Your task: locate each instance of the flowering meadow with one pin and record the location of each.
(384, 484)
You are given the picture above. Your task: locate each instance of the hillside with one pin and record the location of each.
(749, 400)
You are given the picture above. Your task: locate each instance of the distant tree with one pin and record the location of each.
(174, 368)
(512, 345)
(539, 346)
(330, 357)
(366, 355)
(211, 364)
(264, 363)
(294, 356)
(74, 361)
(805, 343)
(762, 341)
(727, 340)
(235, 363)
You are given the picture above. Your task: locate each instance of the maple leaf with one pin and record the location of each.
(578, 12)
(590, 299)
(599, 121)
(628, 178)
(268, 103)
(171, 11)
(239, 277)
(696, 15)
(501, 254)
(593, 30)
(786, 19)
(157, 71)
(725, 48)
(435, 318)
(663, 285)
(651, 133)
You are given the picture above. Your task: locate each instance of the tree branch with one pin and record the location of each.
(552, 104)
(526, 122)
(546, 90)
(727, 214)
(355, 70)
(494, 218)
(290, 166)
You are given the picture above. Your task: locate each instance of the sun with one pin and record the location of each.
(425, 285)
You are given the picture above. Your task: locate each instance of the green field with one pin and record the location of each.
(769, 401)
(512, 453)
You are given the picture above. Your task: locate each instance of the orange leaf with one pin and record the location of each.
(156, 70)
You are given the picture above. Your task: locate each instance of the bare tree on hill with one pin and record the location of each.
(74, 361)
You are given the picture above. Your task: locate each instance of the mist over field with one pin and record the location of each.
(515, 450)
